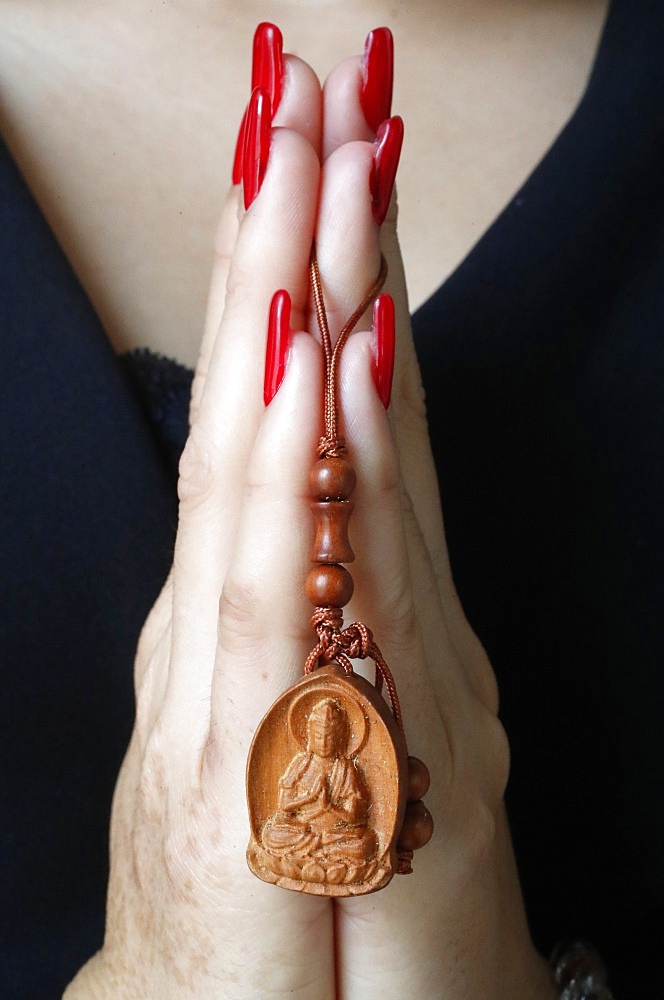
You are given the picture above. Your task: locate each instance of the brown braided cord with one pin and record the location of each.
(332, 444)
(334, 642)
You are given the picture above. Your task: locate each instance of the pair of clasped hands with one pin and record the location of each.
(231, 629)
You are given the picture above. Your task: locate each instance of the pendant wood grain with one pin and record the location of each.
(327, 779)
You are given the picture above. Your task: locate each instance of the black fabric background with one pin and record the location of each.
(544, 376)
(544, 369)
(87, 523)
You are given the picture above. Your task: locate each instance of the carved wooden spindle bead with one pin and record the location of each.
(332, 479)
(417, 827)
(331, 544)
(329, 586)
(418, 779)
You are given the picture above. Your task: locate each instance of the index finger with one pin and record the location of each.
(362, 86)
(298, 107)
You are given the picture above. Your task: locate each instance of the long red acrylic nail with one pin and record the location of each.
(267, 72)
(239, 151)
(389, 140)
(383, 347)
(278, 343)
(377, 77)
(258, 135)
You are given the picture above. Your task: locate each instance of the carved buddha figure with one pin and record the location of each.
(323, 802)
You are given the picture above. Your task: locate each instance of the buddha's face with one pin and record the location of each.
(327, 730)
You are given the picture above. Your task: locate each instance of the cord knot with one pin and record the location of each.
(358, 641)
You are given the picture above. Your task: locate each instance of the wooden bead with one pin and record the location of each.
(417, 827)
(331, 544)
(418, 779)
(329, 586)
(332, 479)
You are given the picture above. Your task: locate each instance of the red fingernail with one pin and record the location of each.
(239, 151)
(383, 347)
(258, 135)
(278, 342)
(267, 72)
(377, 77)
(389, 139)
(267, 69)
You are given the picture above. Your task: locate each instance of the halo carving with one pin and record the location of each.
(300, 711)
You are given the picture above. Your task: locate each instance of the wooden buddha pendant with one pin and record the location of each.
(324, 819)
(334, 800)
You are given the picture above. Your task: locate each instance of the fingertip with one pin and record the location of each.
(294, 416)
(366, 425)
(303, 378)
(342, 112)
(301, 103)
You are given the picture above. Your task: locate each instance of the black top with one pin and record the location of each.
(544, 369)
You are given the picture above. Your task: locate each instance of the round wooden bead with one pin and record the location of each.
(332, 479)
(417, 827)
(418, 779)
(329, 586)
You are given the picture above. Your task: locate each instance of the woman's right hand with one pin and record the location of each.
(185, 917)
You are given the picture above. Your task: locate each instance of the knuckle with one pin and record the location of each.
(403, 616)
(475, 785)
(240, 288)
(173, 825)
(239, 616)
(486, 757)
(401, 629)
(479, 836)
(197, 469)
(483, 680)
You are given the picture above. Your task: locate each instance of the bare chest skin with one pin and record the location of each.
(123, 118)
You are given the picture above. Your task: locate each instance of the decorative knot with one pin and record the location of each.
(355, 642)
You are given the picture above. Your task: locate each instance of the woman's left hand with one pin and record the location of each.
(456, 927)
